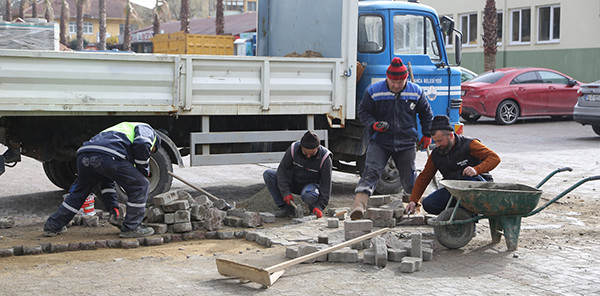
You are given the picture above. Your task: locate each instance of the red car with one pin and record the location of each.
(509, 93)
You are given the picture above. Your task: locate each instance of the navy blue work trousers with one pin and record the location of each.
(376, 160)
(270, 177)
(94, 168)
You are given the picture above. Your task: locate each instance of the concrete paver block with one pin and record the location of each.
(91, 221)
(239, 212)
(232, 221)
(214, 219)
(251, 220)
(175, 206)
(6, 252)
(333, 223)
(369, 257)
(199, 212)
(385, 223)
(427, 254)
(130, 244)
(381, 254)
(225, 234)
(396, 255)
(203, 200)
(159, 228)
(323, 239)
(379, 214)
(348, 235)
(155, 215)
(263, 240)
(375, 201)
(267, 217)
(169, 218)
(308, 249)
(165, 198)
(415, 247)
(410, 264)
(412, 220)
(358, 225)
(291, 252)
(182, 216)
(251, 236)
(182, 227)
(154, 241)
(346, 255)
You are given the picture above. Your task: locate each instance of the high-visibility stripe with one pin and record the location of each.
(96, 147)
(136, 205)
(108, 190)
(137, 161)
(70, 208)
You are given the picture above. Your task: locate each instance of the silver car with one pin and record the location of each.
(587, 109)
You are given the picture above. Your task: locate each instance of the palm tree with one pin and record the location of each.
(7, 16)
(490, 35)
(102, 24)
(34, 9)
(48, 11)
(185, 16)
(161, 11)
(130, 15)
(80, 4)
(22, 6)
(64, 18)
(220, 21)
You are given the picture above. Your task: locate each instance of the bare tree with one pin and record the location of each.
(34, 9)
(48, 11)
(102, 24)
(220, 19)
(490, 35)
(7, 16)
(185, 16)
(64, 18)
(161, 11)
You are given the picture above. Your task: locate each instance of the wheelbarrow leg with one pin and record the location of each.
(495, 229)
(512, 227)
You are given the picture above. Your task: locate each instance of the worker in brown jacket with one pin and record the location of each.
(458, 158)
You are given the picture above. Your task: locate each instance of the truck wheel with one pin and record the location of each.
(389, 182)
(457, 235)
(61, 173)
(160, 180)
(596, 129)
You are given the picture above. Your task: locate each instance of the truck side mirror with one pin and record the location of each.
(458, 48)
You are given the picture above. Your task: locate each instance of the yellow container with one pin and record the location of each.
(180, 43)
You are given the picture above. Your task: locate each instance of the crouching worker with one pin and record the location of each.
(118, 154)
(458, 158)
(305, 169)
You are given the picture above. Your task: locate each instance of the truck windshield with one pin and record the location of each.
(370, 33)
(414, 34)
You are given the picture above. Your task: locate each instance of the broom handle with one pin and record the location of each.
(284, 265)
(212, 197)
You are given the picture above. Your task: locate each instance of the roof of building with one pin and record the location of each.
(234, 25)
(114, 9)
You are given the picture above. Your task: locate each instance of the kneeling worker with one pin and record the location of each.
(457, 157)
(118, 154)
(305, 169)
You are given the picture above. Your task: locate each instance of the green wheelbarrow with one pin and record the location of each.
(503, 204)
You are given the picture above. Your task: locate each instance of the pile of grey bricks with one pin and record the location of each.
(387, 212)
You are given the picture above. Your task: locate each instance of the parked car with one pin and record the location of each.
(587, 109)
(466, 74)
(509, 93)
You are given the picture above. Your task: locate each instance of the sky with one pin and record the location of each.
(145, 3)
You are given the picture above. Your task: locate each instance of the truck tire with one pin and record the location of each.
(160, 180)
(389, 182)
(596, 129)
(61, 173)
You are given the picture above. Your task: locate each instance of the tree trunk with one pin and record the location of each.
(185, 16)
(22, 9)
(79, 24)
(48, 11)
(156, 24)
(490, 35)
(7, 16)
(64, 18)
(127, 31)
(220, 19)
(102, 24)
(34, 9)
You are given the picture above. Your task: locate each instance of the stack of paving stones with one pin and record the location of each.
(385, 211)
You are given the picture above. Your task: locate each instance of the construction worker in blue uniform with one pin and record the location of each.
(120, 154)
(389, 110)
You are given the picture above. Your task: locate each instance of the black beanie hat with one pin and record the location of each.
(310, 140)
(441, 122)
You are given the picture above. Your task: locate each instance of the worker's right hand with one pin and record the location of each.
(410, 208)
(288, 198)
(381, 126)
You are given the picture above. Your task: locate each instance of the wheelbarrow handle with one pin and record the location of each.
(592, 178)
(552, 174)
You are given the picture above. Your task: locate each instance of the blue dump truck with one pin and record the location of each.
(230, 109)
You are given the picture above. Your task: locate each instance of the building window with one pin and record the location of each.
(549, 23)
(499, 31)
(88, 28)
(72, 27)
(448, 39)
(131, 28)
(520, 26)
(251, 6)
(468, 27)
(234, 5)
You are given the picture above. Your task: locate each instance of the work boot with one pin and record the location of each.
(285, 212)
(115, 218)
(50, 233)
(139, 231)
(360, 205)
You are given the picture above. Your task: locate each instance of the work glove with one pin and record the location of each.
(288, 198)
(424, 142)
(381, 126)
(317, 212)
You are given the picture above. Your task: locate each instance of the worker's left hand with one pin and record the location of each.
(469, 171)
(318, 212)
(424, 142)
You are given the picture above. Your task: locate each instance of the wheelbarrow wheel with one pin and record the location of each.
(456, 235)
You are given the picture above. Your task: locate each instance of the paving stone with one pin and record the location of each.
(198, 212)
(182, 216)
(396, 255)
(375, 201)
(169, 218)
(115, 243)
(167, 238)
(381, 254)
(73, 247)
(182, 227)
(204, 200)
(130, 244)
(77, 220)
(225, 234)
(233, 221)
(415, 248)
(58, 248)
(412, 220)
(251, 220)
(358, 225)
(304, 219)
(176, 237)
(214, 219)
(361, 245)
(154, 241)
(91, 221)
(197, 225)
(165, 198)
(379, 214)
(348, 235)
(369, 257)
(159, 228)
(184, 195)
(309, 249)
(333, 223)
(35, 250)
(6, 252)
(427, 254)
(187, 236)
(291, 252)
(239, 233)
(323, 239)
(211, 235)
(46, 247)
(87, 246)
(267, 217)
(18, 250)
(251, 236)
(101, 244)
(175, 206)
(263, 240)
(220, 204)
(170, 228)
(346, 255)
(199, 234)
(236, 212)
(410, 264)
(155, 215)
(385, 223)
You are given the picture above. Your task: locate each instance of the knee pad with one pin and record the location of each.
(310, 194)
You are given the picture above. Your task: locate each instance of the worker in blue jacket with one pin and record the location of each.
(389, 110)
(120, 154)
